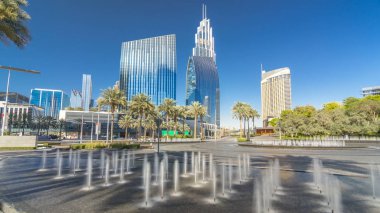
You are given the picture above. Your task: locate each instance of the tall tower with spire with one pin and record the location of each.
(202, 78)
(204, 40)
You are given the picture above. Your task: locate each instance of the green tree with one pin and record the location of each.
(12, 22)
(167, 107)
(194, 110)
(238, 113)
(331, 106)
(114, 98)
(141, 106)
(126, 122)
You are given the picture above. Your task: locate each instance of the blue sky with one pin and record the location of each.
(331, 46)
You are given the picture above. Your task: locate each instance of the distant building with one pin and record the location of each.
(275, 93)
(14, 97)
(52, 101)
(371, 91)
(75, 99)
(18, 112)
(202, 78)
(149, 66)
(86, 92)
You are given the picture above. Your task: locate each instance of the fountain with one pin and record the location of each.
(77, 166)
(248, 163)
(317, 168)
(102, 158)
(156, 167)
(144, 170)
(335, 196)
(230, 174)
(70, 157)
(176, 176)
(57, 154)
(43, 163)
(214, 183)
(185, 163)
(203, 167)
(162, 178)
(59, 166)
(122, 167)
(196, 164)
(223, 178)
(373, 179)
(239, 169)
(199, 161)
(116, 163)
(128, 162)
(107, 172)
(210, 163)
(146, 181)
(73, 164)
(276, 172)
(258, 192)
(89, 170)
(133, 159)
(166, 161)
(192, 163)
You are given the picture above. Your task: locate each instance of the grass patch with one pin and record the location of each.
(101, 145)
(16, 148)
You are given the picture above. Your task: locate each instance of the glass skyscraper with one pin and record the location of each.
(202, 78)
(86, 92)
(149, 66)
(75, 99)
(51, 100)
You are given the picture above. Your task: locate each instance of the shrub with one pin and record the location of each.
(242, 140)
(124, 146)
(101, 145)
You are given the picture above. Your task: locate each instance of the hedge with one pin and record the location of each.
(104, 145)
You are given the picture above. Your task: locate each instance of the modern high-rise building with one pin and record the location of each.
(371, 91)
(75, 99)
(149, 66)
(204, 40)
(14, 97)
(52, 101)
(202, 78)
(276, 94)
(86, 92)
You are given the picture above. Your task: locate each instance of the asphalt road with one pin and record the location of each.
(30, 190)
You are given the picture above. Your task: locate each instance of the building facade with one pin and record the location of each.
(202, 78)
(275, 93)
(371, 91)
(149, 66)
(86, 92)
(75, 99)
(18, 114)
(52, 101)
(14, 97)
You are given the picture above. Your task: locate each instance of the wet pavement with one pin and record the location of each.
(31, 190)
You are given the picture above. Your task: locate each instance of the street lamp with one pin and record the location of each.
(6, 96)
(158, 123)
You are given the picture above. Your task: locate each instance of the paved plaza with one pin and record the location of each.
(31, 190)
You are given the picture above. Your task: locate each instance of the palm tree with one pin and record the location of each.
(114, 98)
(238, 113)
(150, 124)
(202, 112)
(38, 122)
(254, 114)
(167, 107)
(183, 113)
(49, 120)
(12, 20)
(126, 122)
(194, 110)
(61, 125)
(141, 106)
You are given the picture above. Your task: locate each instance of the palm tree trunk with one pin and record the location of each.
(153, 134)
(241, 130)
(126, 133)
(248, 134)
(253, 124)
(112, 120)
(60, 132)
(195, 127)
(167, 127)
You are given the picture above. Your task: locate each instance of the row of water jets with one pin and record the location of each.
(203, 169)
(108, 163)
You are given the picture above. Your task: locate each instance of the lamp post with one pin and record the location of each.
(6, 95)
